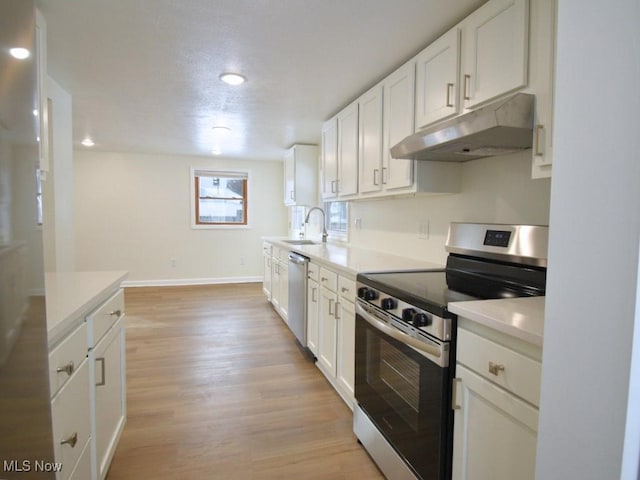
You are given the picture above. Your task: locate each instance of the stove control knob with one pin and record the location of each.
(408, 314)
(422, 320)
(367, 293)
(389, 303)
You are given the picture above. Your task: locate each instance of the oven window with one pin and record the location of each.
(394, 376)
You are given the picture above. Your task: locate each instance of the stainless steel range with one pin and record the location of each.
(406, 338)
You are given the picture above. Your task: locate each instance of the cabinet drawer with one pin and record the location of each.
(509, 369)
(105, 316)
(313, 272)
(71, 421)
(329, 279)
(67, 357)
(83, 468)
(347, 288)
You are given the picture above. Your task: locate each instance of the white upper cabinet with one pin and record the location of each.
(398, 94)
(370, 140)
(437, 74)
(300, 167)
(541, 78)
(329, 159)
(348, 151)
(495, 51)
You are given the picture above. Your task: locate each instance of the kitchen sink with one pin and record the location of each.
(300, 242)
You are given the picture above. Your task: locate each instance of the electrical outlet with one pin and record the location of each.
(241, 260)
(423, 230)
(173, 263)
(358, 223)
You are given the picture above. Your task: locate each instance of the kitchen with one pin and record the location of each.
(581, 204)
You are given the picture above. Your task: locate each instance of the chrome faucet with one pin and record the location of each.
(324, 222)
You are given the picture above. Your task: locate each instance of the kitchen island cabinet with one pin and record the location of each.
(85, 320)
(497, 388)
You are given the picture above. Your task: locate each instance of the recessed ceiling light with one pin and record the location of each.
(87, 142)
(19, 53)
(35, 112)
(233, 78)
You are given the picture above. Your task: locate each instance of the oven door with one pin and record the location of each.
(405, 392)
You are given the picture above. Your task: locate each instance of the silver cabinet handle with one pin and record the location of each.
(104, 380)
(454, 394)
(495, 368)
(376, 171)
(292, 195)
(384, 177)
(337, 311)
(117, 313)
(334, 187)
(331, 303)
(539, 133)
(71, 441)
(449, 94)
(314, 294)
(467, 86)
(68, 368)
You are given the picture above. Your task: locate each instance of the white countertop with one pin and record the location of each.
(71, 295)
(354, 260)
(522, 318)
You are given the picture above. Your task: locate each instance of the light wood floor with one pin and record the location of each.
(217, 388)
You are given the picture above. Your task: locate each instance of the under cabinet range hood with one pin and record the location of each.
(502, 127)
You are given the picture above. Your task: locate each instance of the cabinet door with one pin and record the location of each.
(399, 106)
(284, 291)
(289, 177)
(495, 51)
(313, 298)
(370, 140)
(327, 332)
(266, 281)
(109, 394)
(437, 72)
(345, 371)
(348, 151)
(329, 159)
(275, 283)
(495, 432)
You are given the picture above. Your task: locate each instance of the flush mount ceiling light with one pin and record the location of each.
(216, 151)
(220, 130)
(232, 78)
(19, 53)
(87, 142)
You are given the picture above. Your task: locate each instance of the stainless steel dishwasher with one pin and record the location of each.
(297, 297)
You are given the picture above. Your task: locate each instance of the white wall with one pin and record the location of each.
(58, 234)
(585, 409)
(132, 212)
(496, 190)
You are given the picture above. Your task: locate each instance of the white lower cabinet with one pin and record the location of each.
(280, 282)
(336, 327)
(108, 360)
(70, 413)
(313, 302)
(266, 279)
(88, 390)
(496, 393)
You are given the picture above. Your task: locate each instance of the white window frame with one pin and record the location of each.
(339, 235)
(192, 194)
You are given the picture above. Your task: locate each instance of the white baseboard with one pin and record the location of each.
(189, 281)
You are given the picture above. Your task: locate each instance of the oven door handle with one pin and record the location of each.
(397, 334)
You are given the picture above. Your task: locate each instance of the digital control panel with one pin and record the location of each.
(497, 238)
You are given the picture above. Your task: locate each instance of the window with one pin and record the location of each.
(337, 218)
(220, 198)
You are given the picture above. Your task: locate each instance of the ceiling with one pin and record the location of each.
(143, 74)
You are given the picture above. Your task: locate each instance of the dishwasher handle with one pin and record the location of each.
(297, 259)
